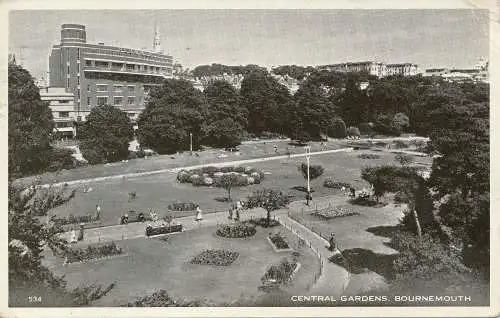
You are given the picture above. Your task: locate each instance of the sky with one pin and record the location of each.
(429, 38)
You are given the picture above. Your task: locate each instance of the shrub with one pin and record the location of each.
(208, 181)
(263, 222)
(365, 128)
(314, 171)
(368, 156)
(61, 158)
(183, 176)
(338, 129)
(383, 125)
(329, 183)
(400, 122)
(399, 144)
(353, 132)
(71, 219)
(215, 258)
(238, 230)
(209, 170)
(404, 159)
(279, 241)
(280, 273)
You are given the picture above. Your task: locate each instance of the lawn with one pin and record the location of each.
(152, 264)
(158, 191)
(247, 151)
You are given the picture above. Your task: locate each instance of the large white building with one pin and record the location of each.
(62, 105)
(378, 69)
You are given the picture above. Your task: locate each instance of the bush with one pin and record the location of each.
(383, 125)
(92, 252)
(183, 176)
(368, 156)
(400, 122)
(71, 219)
(338, 129)
(329, 183)
(182, 206)
(61, 158)
(353, 132)
(150, 230)
(280, 273)
(365, 128)
(215, 258)
(399, 144)
(404, 159)
(238, 230)
(279, 241)
(263, 222)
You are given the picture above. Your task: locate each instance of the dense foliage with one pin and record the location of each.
(30, 125)
(237, 230)
(28, 237)
(106, 134)
(267, 199)
(92, 252)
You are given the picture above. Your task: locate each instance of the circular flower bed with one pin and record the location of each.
(215, 257)
(208, 176)
(238, 230)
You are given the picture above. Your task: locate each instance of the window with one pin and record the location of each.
(102, 87)
(67, 83)
(64, 114)
(88, 87)
(117, 100)
(88, 63)
(78, 80)
(64, 101)
(102, 100)
(67, 69)
(131, 89)
(63, 125)
(131, 100)
(130, 67)
(88, 101)
(118, 88)
(78, 53)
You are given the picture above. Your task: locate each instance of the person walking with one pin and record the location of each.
(231, 208)
(333, 244)
(98, 212)
(239, 206)
(199, 215)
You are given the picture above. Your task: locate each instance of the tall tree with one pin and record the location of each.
(173, 112)
(30, 125)
(266, 100)
(106, 134)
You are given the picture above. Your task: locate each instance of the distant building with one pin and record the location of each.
(373, 68)
(62, 105)
(402, 69)
(98, 74)
(479, 73)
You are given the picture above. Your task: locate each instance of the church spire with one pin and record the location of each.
(156, 41)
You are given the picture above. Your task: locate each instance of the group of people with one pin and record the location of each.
(235, 208)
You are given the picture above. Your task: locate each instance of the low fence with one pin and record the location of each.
(303, 241)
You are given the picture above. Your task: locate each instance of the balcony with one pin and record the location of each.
(126, 70)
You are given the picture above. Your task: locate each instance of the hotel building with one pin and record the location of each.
(98, 74)
(374, 68)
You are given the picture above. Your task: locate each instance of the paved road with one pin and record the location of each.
(218, 164)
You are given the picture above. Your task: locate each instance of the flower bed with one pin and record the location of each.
(92, 252)
(368, 156)
(263, 222)
(238, 230)
(215, 258)
(279, 242)
(329, 183)
(208, 176)
(182, 206)
(71, 219)
(334, 212)
(164, 229)
(281, 273)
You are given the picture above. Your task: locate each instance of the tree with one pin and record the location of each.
(267, 102)
(400, 122)
(338, 129)
(173, 112)
(28, 238)
(312, 111)
(314, 171)
(226, 119)
(268, 199)
(106, 134)
(30, 125)
(229, 181)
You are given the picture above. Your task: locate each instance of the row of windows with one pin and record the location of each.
(128, 53)
(126, 67)
(116, 88)
(117, 101)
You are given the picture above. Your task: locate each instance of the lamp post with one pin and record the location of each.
(308, 158)
(191, 143)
